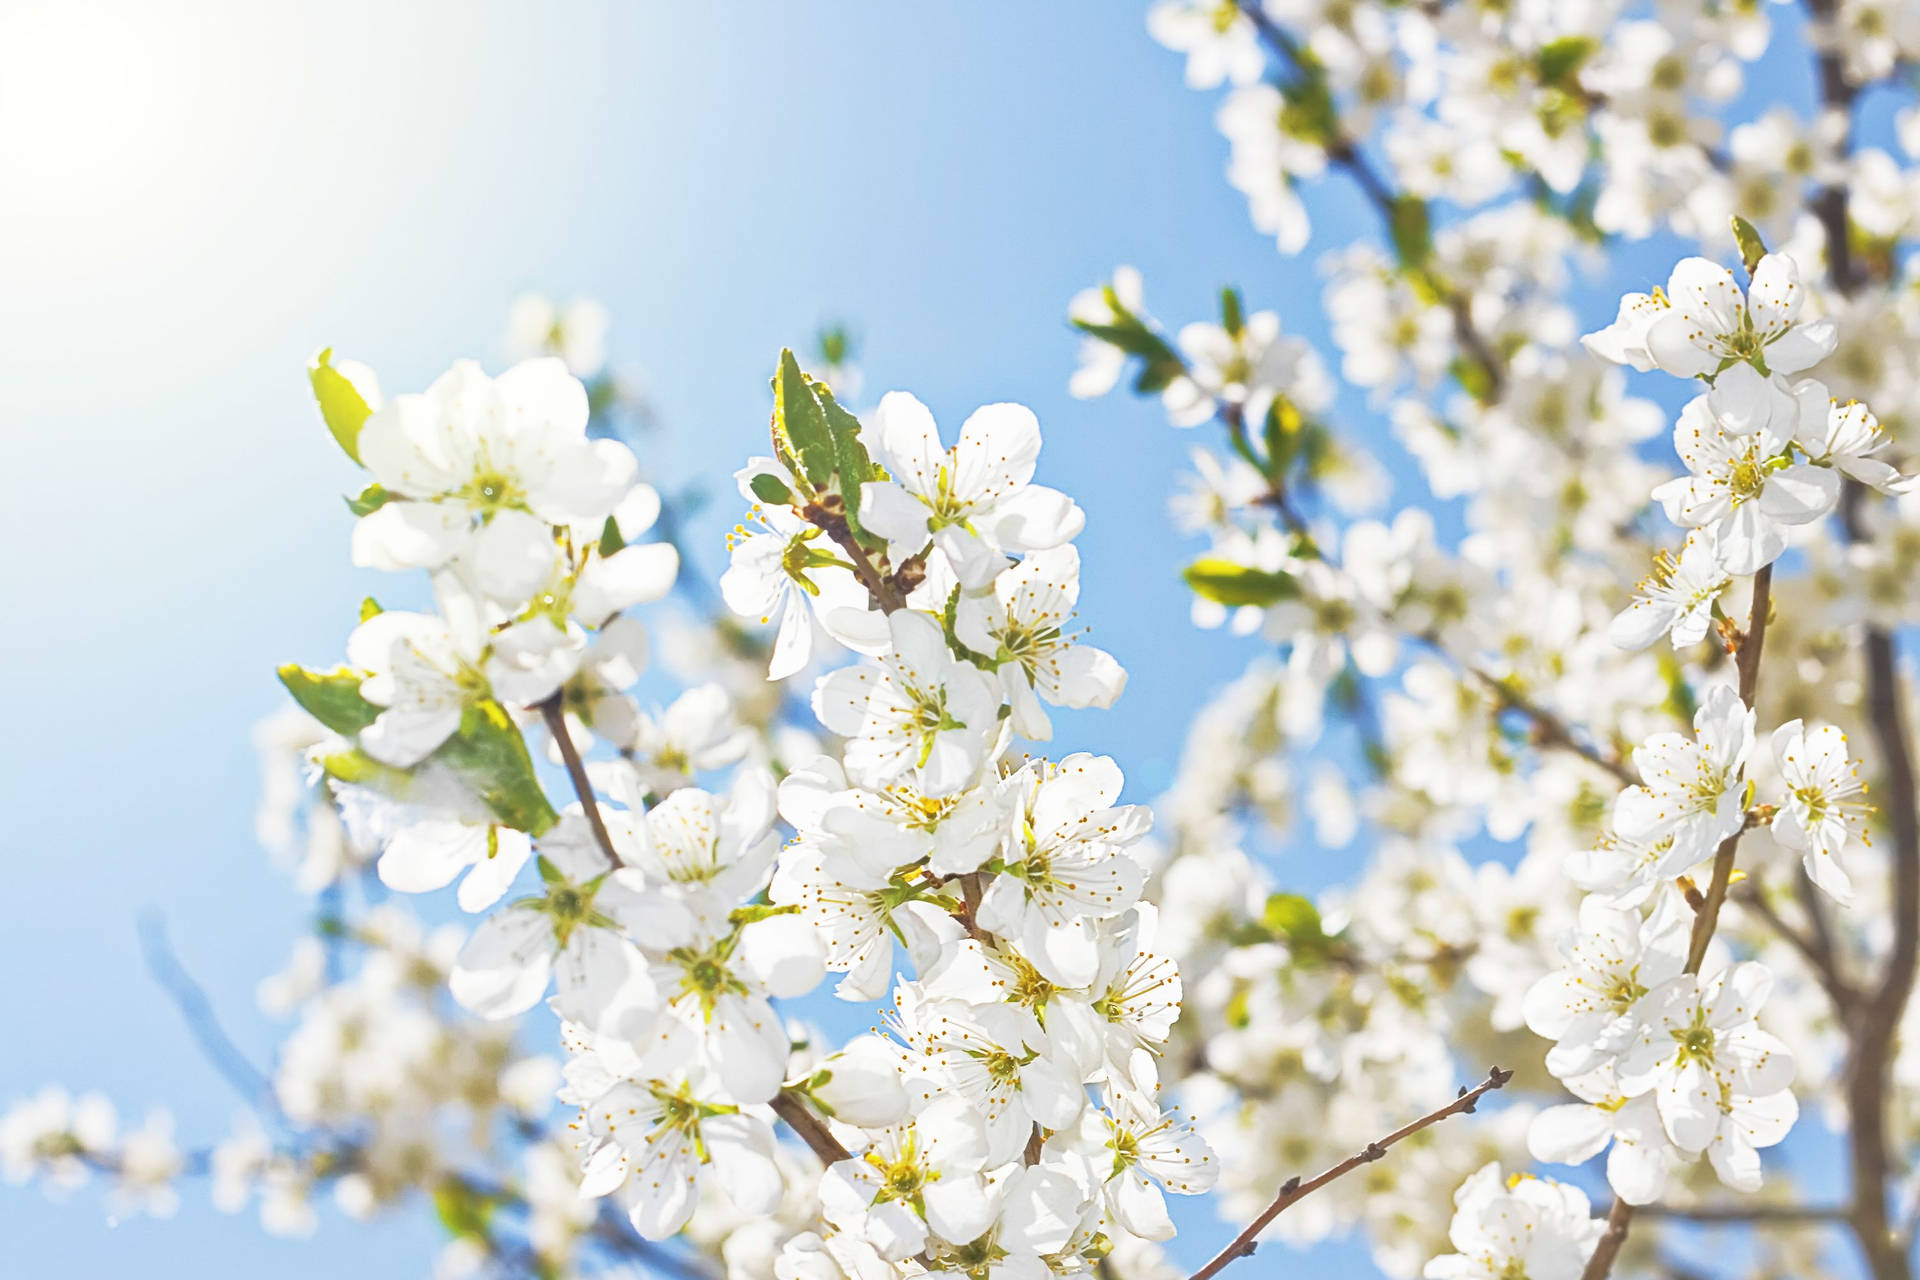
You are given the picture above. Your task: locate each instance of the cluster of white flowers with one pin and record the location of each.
(963, 1134)
(1490, 681)
(1561, 826)
(1007, 1117)
(63, 1141)
(1655, 1032)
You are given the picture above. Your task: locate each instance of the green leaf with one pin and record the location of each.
(463, 1210)
(1752, 247)
(771, 488)
(368, 500)
(341, 403)
(1307, 111)
(1560, 60)
(1133, 337)
(1280, 435)
(331, 697)
(836, 344)
(1232, 315)
(800, 423)
(1411, 229)
(850, 459)
(489, 754)
(1473, 378)
(1232, 584)
(1294, 918)
(370, 608)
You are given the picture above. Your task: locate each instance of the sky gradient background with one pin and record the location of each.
(193, 203)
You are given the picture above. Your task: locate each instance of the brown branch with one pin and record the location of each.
(833, 522)
(813, 1131)
(1879, 1014)
(1818, 954)
(1880, 1011)
(1294, 1189)
(1345, 154)
(1707, 914)
(1552, 730)
(1781, 1214)
(550, 711)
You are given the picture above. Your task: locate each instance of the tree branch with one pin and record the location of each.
(1818, 955)
(196, 1010)
(556, 718)
(1707, 915)
(811, 1129)
(1552, 730)
(1882, 1005)
(1781, 1214)
(1345, 155)
(1294, 1189)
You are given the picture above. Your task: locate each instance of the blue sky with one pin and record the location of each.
(202, 200)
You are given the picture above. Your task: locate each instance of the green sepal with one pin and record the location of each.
(1228, 583)
(611, 543)
(358, 769)
(341, 403)
(753, 912)
(771, 488)
(489, 754)
(1233, 317)
(1752, 247)
(331, 697)
(370, 608)
(549, 874)
(369, 500)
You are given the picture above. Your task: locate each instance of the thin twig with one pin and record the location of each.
(1552, 730)
(884, 592)
(1294, 1189)
(1819, 958)
(556, 718)
(1346, 155)
(196, 1010)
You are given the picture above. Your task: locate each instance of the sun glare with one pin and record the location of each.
(110, 120)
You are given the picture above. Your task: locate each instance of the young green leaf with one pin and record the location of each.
(1234, 585)
(850, 459)
(1752, 247)
(331, 697)
(1232, 315)
(368, 500)
(341, 403)
(799, 421)
(489, 754)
